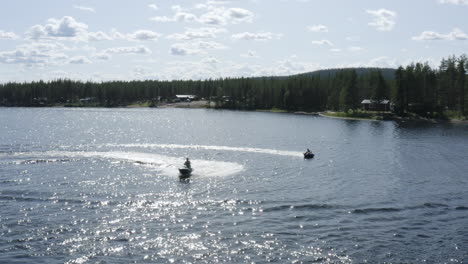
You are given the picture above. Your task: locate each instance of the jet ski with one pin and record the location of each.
(308, 155)
(185, 171)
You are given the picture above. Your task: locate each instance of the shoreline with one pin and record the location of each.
(211, 105)
(397, 118)
(323, 114)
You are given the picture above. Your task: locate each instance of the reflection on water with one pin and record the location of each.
(102, 186)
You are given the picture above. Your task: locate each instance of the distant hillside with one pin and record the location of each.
(388, 73)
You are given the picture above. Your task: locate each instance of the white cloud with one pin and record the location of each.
(210, 60)
(458, 34)
(429, 35)
(213, 19)
(66, 27)
(318, 28)
(85, 8)
(162, 19)
(70, 29)
(7, 35)
(455, 34)
(98, 36)
(179, 49)
(256, 36)
(384, 19)
(35, 54)
(222, 16)
(198, 33)
(138, 35)
(102, 56)
(454, 2)
(179, 16)
(291, 66)
(322, 42)
(239, 15)
(383, 62)
(128, 50)
(215, 15)
(153, 6)
(195, 47)
(79, 60)
(185, 17)
(144, 35)
(205, 45)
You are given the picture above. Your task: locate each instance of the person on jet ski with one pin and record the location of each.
(308, 152)
(187, 163)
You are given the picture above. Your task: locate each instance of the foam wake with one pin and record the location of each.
(165, 164)
(220, 148)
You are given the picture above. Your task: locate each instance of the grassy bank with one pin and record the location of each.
(273, 110)
(358, 114)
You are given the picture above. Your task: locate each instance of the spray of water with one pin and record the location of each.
(219, 148)
(165, 164)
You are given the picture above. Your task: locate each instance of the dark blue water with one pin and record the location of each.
(101, 186)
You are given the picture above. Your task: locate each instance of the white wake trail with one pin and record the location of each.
(221, 148)
(165, 164)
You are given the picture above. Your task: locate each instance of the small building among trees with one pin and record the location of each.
(376, 105)
(185, 97)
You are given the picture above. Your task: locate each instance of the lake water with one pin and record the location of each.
(101, 186)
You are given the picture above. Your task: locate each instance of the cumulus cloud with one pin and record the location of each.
(102, 56)
(98, 36)
(198, 33)
(322, 42)
(454, 2)
(138, 35)
(223, 16)
(215, 15)
(85, 8)
(128, 50)
(384, 19)
(455, 34)
(144, 35)
(196, 47)
(35, 54)
(318, 28)
(7, 35)
(179, 16)
(66, 27)
(239, 15)
(79, 60)
(210, 60)
(181, 50)
(383, 62)
(256, 36)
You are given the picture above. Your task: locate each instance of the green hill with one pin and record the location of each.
(388, 73)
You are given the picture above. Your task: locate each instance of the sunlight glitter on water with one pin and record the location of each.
(165, 164)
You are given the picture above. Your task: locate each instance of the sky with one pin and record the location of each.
(102, 40)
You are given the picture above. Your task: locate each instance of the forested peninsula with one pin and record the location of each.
(416, 88)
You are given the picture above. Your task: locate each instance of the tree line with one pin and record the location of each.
(415, 88)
